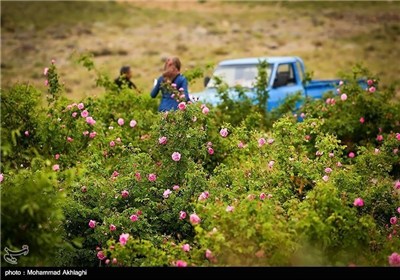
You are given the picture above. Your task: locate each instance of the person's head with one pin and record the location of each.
(173, 62)
(126, 71)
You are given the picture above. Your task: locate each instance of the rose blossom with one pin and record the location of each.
(175, 188)
(57, 156)
(209, 254)
(133, 218)
(325, 178)
(132, 123)
(56, 167)
(152, 177)
(394, 259)
(240, 145)
(194, 219)
(182, 106)
(101, 255)
(180, 263)
(92, 223)
(379, 137)
(362, 120)
(123, 238)
(358, 202)
(81, 106)
(261, 142)
(223, 132)
(372, 89)
(203, 196)
(120, 121)
(176, 156)
(124, 193)
(263, 196)
(84, 114)
(167, 193)
(352, 155)
(210, 151)
(186, 247)
(205, 110)
(343, 97)
(328, 170)
(182, 215)
(112, 143)
(162, 140)
(229, 208)
(393, 220)
(113, 227)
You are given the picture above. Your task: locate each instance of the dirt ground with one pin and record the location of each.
(331, 38)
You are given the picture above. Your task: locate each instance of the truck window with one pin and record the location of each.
(300, 71)
(233, 75)
(284, 75)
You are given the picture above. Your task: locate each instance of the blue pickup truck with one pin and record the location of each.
(286, 75)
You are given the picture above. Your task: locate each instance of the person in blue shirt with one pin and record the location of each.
(173, 86)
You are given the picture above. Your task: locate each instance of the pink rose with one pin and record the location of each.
(114, 261)
(121, 121)
(341, 83)
(123, 238)
(270, 141)
(210, 151)
(124, 193)
(182, 106)
(84, 114)
(152, 177)
(57, 156)
(194, 219)
(271, 164)
(223, 132)
(112, 144)
(92, 134)
(352, 155)
(175, 188)
(209, 254)
(393, 220)
(205, 110)
(115, 173)
(398, 136)
(138, 176)
(229, 208)
(45, 71)
(328, 170)
(182, 215)
(370, 82)
(1, 177)
(46, 82)
(397, 185)
(240, 145)
(180, 263)
(261, 142)
(134, 218)
(84, 189)
(132, 123)
(92, 223)
(362, 120)
(343, 97)
(203, 196)
(90, 121)
(325, 178)
(113, 227)
(176, 156)
(338, 164)
(85, 133)
(162, 140)
(372, 89)
(358, 202)
(331, 155)
(379, 137)
(74, 114)
(101, 255)
(394, 259)
(69, 139)
(263, 196)
(81, 106)
(167, 193)
(26, 133)
(56, 167)
(186, 247)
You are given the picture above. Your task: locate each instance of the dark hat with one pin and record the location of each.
(124, 70)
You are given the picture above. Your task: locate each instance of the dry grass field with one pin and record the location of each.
(331, 37)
